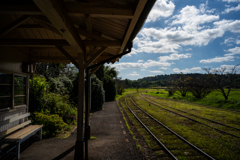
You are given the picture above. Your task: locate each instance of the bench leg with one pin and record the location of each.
(18, 150)
(40, 134)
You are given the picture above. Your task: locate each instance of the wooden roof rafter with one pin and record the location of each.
(57, 15)
(13, 25)
(56, 42)
(95, 56)
(67, 55)
(43, 24)
(140, 6)
(76, 9)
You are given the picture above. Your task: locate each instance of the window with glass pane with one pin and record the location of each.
(5, 91)
(19, 90)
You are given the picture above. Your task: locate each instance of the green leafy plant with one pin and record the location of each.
(38, 87)
(52, 124)
(58, 104)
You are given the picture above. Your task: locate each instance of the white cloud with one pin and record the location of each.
(162, 62)
(187, 70)
(228, 40)
(230, 9)
(228, 67)
(193, 26)
(188, 49)
(233, 51)
(164, 68)
(149, 63)
(157, 71)
(231, 1)
(152, 63)
(134, 74)
(191, 18)
(174, 56)
(143, 69)
(238, 41)
(125, 65)
(161, 8)
(218, 59)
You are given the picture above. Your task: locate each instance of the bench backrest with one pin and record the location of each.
(13, 120)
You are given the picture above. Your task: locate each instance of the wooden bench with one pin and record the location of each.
(15, 129)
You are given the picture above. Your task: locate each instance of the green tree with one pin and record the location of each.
(225, 79)
(182, 84)
(202, 85)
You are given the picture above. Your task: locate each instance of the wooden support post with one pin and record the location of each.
(79, 148)
(18, 150)
(40, 134)
(86, 137)
(89, 104)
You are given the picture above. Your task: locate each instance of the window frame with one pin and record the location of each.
(12, 96)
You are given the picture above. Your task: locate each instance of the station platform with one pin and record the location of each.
(113, 140)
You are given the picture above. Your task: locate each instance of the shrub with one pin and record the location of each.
(38, 86)
(52, 124)
(58, 104)
(109, 87)
(98, 94)
(57, 86)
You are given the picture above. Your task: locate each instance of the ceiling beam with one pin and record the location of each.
(140, 6)
(27, 26)
(88, 22)
(13, 25)
(47, 25)
(76, 9)
(57, 15)
(95, 56)
(80, 31)
(33, 42)
(90, 35)
(55, 42)
(65, 53)
(59, 57)
(102, 43)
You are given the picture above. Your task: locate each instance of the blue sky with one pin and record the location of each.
(185, 36)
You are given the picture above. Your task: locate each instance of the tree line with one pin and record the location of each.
(200, 85)
(222, 79)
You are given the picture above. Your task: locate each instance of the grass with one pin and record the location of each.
(222, 116)
(215, 98)
(92, 138)
(67, 131)
(128, 91)
(218, 145)
(129, 128)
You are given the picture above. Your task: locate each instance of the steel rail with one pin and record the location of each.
(195, 115)
(193, 120)
(158, 141)
(207, 106)
(193, 146)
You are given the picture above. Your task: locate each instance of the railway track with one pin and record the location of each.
(173, 145)
(196, 118)
(207, 106)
